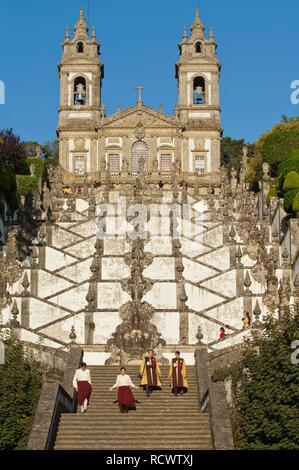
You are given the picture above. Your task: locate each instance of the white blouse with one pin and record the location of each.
(81, 375)
(123, 380)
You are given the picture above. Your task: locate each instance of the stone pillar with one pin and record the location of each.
(184, 325)
(89, 327)
(34, 282)
(152, 151)
(64, 153)
(49, 237)
(25, 303)
(239, 281)
(185, 154)
(294, 227)
(42, 256)
(64, 89)
(93, 155)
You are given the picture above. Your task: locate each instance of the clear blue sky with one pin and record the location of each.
(258, 47)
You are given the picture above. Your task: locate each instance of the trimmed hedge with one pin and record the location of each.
(275, 147)
(296, 204)
(272, 193)
(291, 164)
(291, 182)
(39, 165)
(27, 183)
(289, 199)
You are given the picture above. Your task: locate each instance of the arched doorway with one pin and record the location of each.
(139, 150)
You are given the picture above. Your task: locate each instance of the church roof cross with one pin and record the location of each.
(140, 89)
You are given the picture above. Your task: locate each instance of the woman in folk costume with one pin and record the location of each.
(83, 386)
(178, 375)
(150, 373)
(125, 397)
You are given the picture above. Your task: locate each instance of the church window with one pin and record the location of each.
(80, 47)
(200, 164)
(114, 164)
(198, 47)
(199, 90)
(139, 151)
(165, 162)
(79, 165)
(80, 91)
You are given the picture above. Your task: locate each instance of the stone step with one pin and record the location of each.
(175, 422)
(97, 413)
(203, 445)
(114, 428)
(135, 380)
(132, 433)
(133, 416)
(162, 409)
(166, 391)
(104, 415)
(163, 398)
(124, 437)
(142, 407)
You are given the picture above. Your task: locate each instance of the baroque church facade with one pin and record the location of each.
(118, 294)
(91, 142)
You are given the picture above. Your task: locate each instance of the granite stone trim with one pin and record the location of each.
(55, 398)
(213, 401)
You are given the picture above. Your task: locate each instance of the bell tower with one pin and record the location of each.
(81, 74)
(198, 74)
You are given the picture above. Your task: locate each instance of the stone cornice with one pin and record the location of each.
(139, 113)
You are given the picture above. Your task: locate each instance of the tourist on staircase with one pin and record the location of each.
(125, 397)
(222, 334)
(150, 373)
(178, 375)
(82, 384)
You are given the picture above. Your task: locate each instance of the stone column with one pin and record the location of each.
(63, 153)
(184, 325)
(93, 155)
(25, 312)
(152, 151)
(185, 154)
(64, 89)
(34, 281)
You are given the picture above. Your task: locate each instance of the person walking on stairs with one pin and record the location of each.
(150, 373)
(82, 384)
(125, 397)
(178, 375)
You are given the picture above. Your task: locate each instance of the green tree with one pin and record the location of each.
(291, 164)
(31, 148)
(267, 388)
(19, 391)
(50, 150)
(275, 148)
(12, 149)
(21, 379)
(232, 150)
(8, 188)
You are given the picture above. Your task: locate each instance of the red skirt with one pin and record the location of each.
(125, 397)
(84, 391)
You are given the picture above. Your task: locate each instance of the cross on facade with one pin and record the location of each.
(140, 89)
